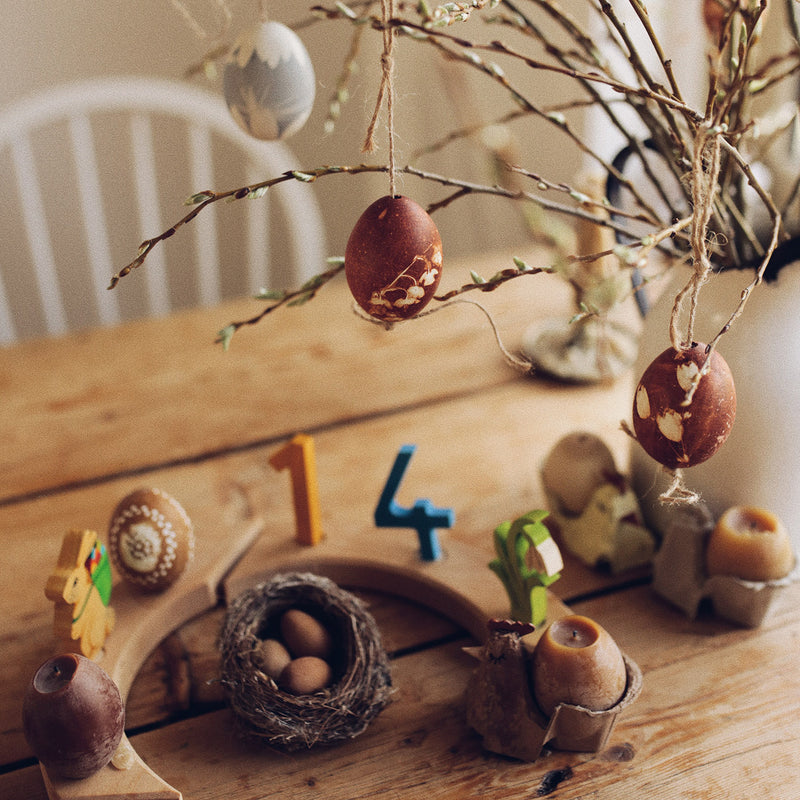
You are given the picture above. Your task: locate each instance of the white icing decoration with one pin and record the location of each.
(141, 547)
(670, 423)
(144, 540)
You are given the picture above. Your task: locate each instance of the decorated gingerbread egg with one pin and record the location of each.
(269, 82)
(150, 539)
(684, 406)
(393, 259)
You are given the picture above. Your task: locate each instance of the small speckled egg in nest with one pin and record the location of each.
(393, 259)
(150, 539)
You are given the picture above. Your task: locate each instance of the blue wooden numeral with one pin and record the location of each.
(423, 516)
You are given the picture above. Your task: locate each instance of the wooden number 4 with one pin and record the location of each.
(422, 516)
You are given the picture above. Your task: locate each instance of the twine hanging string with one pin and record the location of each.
(704, 185)
(386, 91)
(704, 177)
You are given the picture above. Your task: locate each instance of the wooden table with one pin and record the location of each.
(90, 417)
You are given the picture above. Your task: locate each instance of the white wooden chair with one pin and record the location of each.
(89, 170)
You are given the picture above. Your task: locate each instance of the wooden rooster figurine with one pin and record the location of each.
(500, 704)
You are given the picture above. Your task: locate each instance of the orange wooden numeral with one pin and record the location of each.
(298, 456)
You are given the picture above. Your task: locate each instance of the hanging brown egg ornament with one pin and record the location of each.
(715, 15)
(683, 407)
(393, 259)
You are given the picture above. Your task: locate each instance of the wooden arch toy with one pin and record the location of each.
(456, 586)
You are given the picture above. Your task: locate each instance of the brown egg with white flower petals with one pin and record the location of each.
(683, 407)
(393, 259)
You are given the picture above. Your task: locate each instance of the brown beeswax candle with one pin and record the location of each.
(749, 543)
(577, 662)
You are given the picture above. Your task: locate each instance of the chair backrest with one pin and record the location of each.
(89, 170)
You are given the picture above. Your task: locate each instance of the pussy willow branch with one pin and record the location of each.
(671, 123)
(661, 136)
(777, 223)
(613, 83)
(731, 107)
(641, 70)
(441, 41)
(422, 30)
(728, 108)
(311, 287)
(666, 63)
(661, 124)
(306, 292)
(527, 26)
(203, 199)
(478, 284)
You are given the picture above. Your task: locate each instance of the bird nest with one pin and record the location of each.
(361, 682)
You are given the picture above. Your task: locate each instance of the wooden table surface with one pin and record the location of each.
(89, 417)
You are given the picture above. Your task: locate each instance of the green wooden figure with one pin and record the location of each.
(528, 561)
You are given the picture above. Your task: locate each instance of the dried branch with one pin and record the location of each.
(205, 198)
(720, 224)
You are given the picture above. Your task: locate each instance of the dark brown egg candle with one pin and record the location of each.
(73, 716)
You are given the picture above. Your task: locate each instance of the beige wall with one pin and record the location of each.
(44, 42)
(49, 41)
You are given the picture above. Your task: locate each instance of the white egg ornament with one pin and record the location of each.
(393, 259)
(269, 82)
(150, 539)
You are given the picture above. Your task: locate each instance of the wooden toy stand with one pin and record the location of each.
(459, 586)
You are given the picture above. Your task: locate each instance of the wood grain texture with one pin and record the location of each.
(162, 406)
(167, 390)
(682, 738)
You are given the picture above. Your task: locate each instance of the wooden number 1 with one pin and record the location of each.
(298, 456)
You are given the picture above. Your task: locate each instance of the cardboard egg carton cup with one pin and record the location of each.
(581, 730)
(501, 705)
(680, 577)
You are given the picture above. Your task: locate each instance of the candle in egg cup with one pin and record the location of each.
(699, 558)
(73, 716)
(751, 544)
(576, 661)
